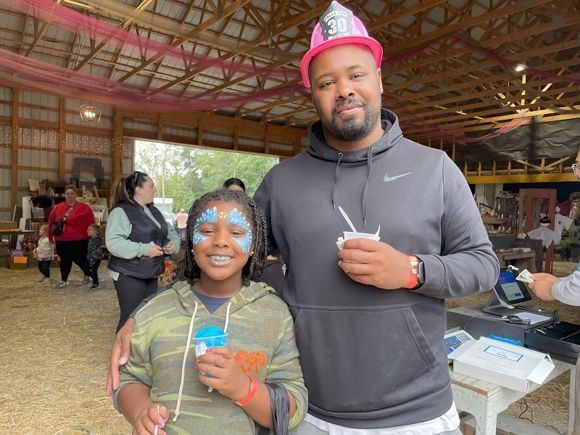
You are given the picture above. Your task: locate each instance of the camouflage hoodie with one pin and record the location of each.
(260, 333)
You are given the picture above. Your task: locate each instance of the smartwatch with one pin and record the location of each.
(420, 273)
(417, 276)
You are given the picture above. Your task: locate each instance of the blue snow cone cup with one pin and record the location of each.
(208, 337)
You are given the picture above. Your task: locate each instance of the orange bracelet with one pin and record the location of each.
(253, 388)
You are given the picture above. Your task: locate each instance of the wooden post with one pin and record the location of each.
(15, 147)
(61, 138)
(117, 146)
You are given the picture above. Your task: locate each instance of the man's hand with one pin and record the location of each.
(225, 373)
(154, 250)
(374, 263)
(542, 285)
(120, 353)
(149, 417)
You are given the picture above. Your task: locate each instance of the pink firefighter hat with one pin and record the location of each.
(337, 26)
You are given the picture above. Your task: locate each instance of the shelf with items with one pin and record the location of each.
(495, 225)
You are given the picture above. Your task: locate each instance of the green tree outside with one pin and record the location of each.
(185, 173)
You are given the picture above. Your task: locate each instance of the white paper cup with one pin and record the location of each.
(348, 235)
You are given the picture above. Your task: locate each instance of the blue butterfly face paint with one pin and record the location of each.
(208, 216)
(238, 219)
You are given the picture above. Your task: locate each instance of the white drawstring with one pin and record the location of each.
(184, 362)
(189, 334)
(227, 317)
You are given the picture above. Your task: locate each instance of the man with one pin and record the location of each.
(370, 323)
(370, 328)
(181, 223)
(547, 287)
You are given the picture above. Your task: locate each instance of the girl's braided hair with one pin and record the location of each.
(253, 268)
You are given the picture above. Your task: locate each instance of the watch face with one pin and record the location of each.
(421, 274)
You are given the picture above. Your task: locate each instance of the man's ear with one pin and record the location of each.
(380, 79)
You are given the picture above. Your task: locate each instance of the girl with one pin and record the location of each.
(257, 378)
(137, 237)
(44, 253)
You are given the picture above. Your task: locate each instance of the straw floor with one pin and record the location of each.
(55, 349)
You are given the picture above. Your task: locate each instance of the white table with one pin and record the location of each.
(485, 400)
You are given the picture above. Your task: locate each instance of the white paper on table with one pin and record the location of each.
(533, 317)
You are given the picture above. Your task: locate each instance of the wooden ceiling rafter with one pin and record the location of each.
(291, 22)
(432, 73)
(475, 68)
(192, 34)
(39, 31)
(436, 101)
(490, 43)
(174, 40)
(124, 25)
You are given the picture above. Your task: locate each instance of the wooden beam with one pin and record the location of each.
(168, 26)
(264, 37)
(61, 138)
(126, 23)
(527, 178)
(15, 146)
(232, 9)
(462, 25)
(117, 146)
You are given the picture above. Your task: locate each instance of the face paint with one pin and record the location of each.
(238, 219)
(208, 216)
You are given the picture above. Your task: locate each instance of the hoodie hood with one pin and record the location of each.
(247, 295)
(321, 150)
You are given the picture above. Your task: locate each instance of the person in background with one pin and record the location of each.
(94, 255)
(548, 287)
(234, 184)
(273, 272)
(137, 237)
(71, 244)
(181, 223)
(256, 377)
(44, 253)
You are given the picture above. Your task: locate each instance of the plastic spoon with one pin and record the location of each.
(347, 219)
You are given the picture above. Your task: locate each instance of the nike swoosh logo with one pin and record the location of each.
(386, 178)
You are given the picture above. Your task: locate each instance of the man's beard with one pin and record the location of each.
(351, 129)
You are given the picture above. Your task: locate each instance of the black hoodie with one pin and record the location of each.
(374, 358)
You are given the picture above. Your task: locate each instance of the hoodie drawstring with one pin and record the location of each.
(364, 194)
(187, 345)
(227, 317)
(336, 179)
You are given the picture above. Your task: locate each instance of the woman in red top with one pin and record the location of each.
(71, 245)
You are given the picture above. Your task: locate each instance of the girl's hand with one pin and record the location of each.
(219, 369)
(149, 417)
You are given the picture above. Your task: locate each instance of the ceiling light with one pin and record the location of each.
(519, 67)
(89, 113)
